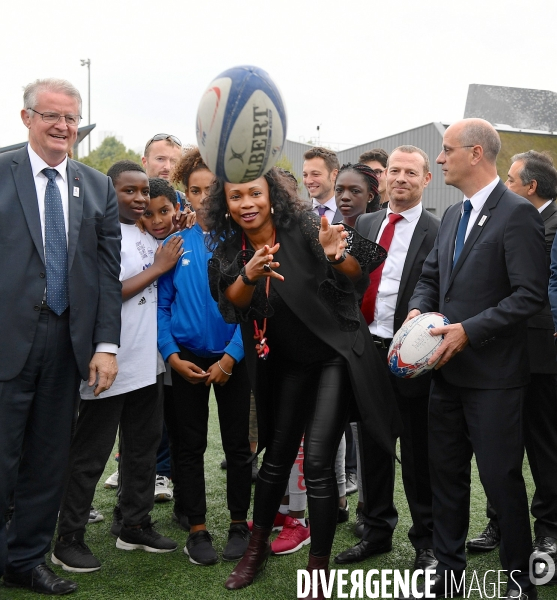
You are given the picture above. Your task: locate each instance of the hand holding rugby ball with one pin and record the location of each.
(413, 345)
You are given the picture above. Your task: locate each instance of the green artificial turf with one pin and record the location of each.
(140, 575)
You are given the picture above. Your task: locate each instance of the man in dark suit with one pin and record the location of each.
(319, 174)
(487, 273)
(408, 174)
(59, 316)
(533, 176)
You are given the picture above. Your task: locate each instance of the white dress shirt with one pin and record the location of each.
(41, 180)
(387, 294)
(330, 204)
(544, 206)
(478, 200)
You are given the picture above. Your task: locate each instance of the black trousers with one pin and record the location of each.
(488, 423)
(188, 436)
(350, 460)
(36, 413)
(378, 474)
(316, 399)
(139, 415)
(540, 437)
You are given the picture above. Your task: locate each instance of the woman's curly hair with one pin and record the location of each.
(189, 162)
(225, 232)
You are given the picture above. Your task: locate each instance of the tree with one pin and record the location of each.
(109, 152)
(285, 163)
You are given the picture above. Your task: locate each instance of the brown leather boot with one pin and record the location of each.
(318, 563)
(253, 561)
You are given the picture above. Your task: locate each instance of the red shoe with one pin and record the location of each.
(277, 525)
(292, 537)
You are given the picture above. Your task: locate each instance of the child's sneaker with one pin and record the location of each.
(144, 538)
(112, 482)
(277, 525)
(163, 493)
(292, 537)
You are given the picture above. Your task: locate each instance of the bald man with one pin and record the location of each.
(487, 273)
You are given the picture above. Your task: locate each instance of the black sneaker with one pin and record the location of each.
(238, 540)
(181, 519)
(199, 547)
(73, 555)
(144, 538)
(117, 521)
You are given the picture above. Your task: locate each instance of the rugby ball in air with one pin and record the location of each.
(413, 345)
(241, 124)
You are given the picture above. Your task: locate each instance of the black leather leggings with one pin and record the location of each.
(315, 399)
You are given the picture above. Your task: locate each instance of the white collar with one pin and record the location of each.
(479, 198)
(38, 164)
(410, 214)
(544, 206)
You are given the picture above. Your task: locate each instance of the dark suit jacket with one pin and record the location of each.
(541, 344)
(421, 244)
(303, 275)
(498, 282)
(93, 262)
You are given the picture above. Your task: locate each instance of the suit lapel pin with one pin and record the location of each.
(482, 220)
(76, 191)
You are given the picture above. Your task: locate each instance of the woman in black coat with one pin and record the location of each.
(293, 284)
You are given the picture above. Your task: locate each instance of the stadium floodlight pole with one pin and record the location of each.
(87, 63)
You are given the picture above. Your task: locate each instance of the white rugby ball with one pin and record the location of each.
(241, 124)
(413, 345)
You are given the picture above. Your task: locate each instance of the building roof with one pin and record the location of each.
(521, 108)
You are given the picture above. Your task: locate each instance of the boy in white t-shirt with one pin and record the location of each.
(133, 402)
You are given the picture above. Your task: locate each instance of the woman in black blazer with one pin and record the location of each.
(293, 283)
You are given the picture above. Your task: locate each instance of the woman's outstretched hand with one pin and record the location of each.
(333, 239)
(262, 264)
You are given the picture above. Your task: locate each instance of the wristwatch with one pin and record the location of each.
(245, 278)
(337, 262)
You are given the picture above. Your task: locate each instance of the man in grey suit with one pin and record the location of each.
(59, 317)
(407, 176)
(487, 273)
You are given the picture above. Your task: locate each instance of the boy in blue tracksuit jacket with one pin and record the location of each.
(202, 350)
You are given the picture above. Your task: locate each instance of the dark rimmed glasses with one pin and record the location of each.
(52, 118)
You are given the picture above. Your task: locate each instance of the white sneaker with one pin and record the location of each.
(112, 482)
(163, 493)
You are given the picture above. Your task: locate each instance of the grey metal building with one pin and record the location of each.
(437, 196)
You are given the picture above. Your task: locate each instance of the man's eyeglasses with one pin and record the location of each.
(446, 150)
(52, 117)
(378, 172)
(163, 136)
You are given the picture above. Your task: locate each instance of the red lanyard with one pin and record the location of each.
(261, 347)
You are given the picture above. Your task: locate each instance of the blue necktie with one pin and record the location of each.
(461, 233)
(56, 250)
(322, 210)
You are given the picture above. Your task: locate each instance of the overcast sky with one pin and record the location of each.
(360, 69)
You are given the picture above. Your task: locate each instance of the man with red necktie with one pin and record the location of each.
(407, 231)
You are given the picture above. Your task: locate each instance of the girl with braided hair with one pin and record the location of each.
(356, 191)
